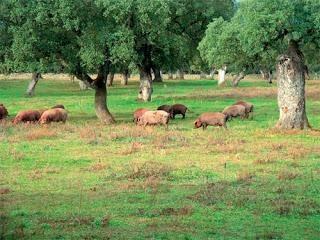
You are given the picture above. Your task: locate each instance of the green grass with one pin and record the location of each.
(84, 180)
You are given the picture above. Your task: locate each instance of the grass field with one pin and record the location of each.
(83, 180)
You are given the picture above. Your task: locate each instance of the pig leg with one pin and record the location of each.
(204, 126)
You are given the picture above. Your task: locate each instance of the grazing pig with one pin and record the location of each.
(211, 119)
(234, 111)
(58, 106)
(27, 116)
(166, 108)
(154, 118)
(138, 113)
(247, 105)
(3, 111)
(178, 109)
(54, 115)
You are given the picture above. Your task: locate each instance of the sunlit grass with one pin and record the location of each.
(84, 180)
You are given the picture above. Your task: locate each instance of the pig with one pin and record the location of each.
(235, 111)
(27, 116)
(58, 106)
(154, 118)
(166, 108)
(54, 115)
(211, 119)
(3, 111)
(138, 113)
(178, 109)
(247, 105)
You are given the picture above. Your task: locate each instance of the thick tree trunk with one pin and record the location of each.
(180, 74)
(291, 90)
(99, 84)
(157, 75)
(32, 85)
(146, 89)
(170, 75)
(125, 77)
(222, 75)
(237, 79)
(110, 79)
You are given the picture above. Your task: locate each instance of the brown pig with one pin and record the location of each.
(138, 113)
(3, 111)
(27, 116)
(247, 105)
(178, 109)
(211, 119)
(154, 118)
(166, 108)
(234, 111)
(54, 115)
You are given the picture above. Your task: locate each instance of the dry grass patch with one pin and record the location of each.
(287, 174)
(97, 167)
(244, 175)
(130, 132)
(148, 169)
(40, 133)
(131, 149)
(89, 135)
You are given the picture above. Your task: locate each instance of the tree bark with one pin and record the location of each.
(266, 75)
(125, 77)
(180, 74)
(291, 90)
(110, 79)
(32, 85)
(237, 79)
(157, 75)
(99, 84)
(145, 85)
(222, 75)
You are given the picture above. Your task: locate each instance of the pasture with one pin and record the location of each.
(85, 180)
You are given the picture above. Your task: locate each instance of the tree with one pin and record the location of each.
(264, 30)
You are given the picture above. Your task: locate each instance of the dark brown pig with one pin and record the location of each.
(247, 105)
(178, 109)
(3, 111)
(27, 116)
(166, 108)
(211, 119)
(154, 118)
(54, 115)
(234, 111)
(138, 113)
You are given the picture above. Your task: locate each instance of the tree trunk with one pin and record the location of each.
(237, 79)
(222, 75)
(306, 72)
(203, 75)
(145, 85)
(212, 72)
(100, 98)
(180, 74)
(125, 77)
(266, 75)
(170, 75)
(110, 79)
(157, 75)
(99, 84)
(32, 85)
(291, 90)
